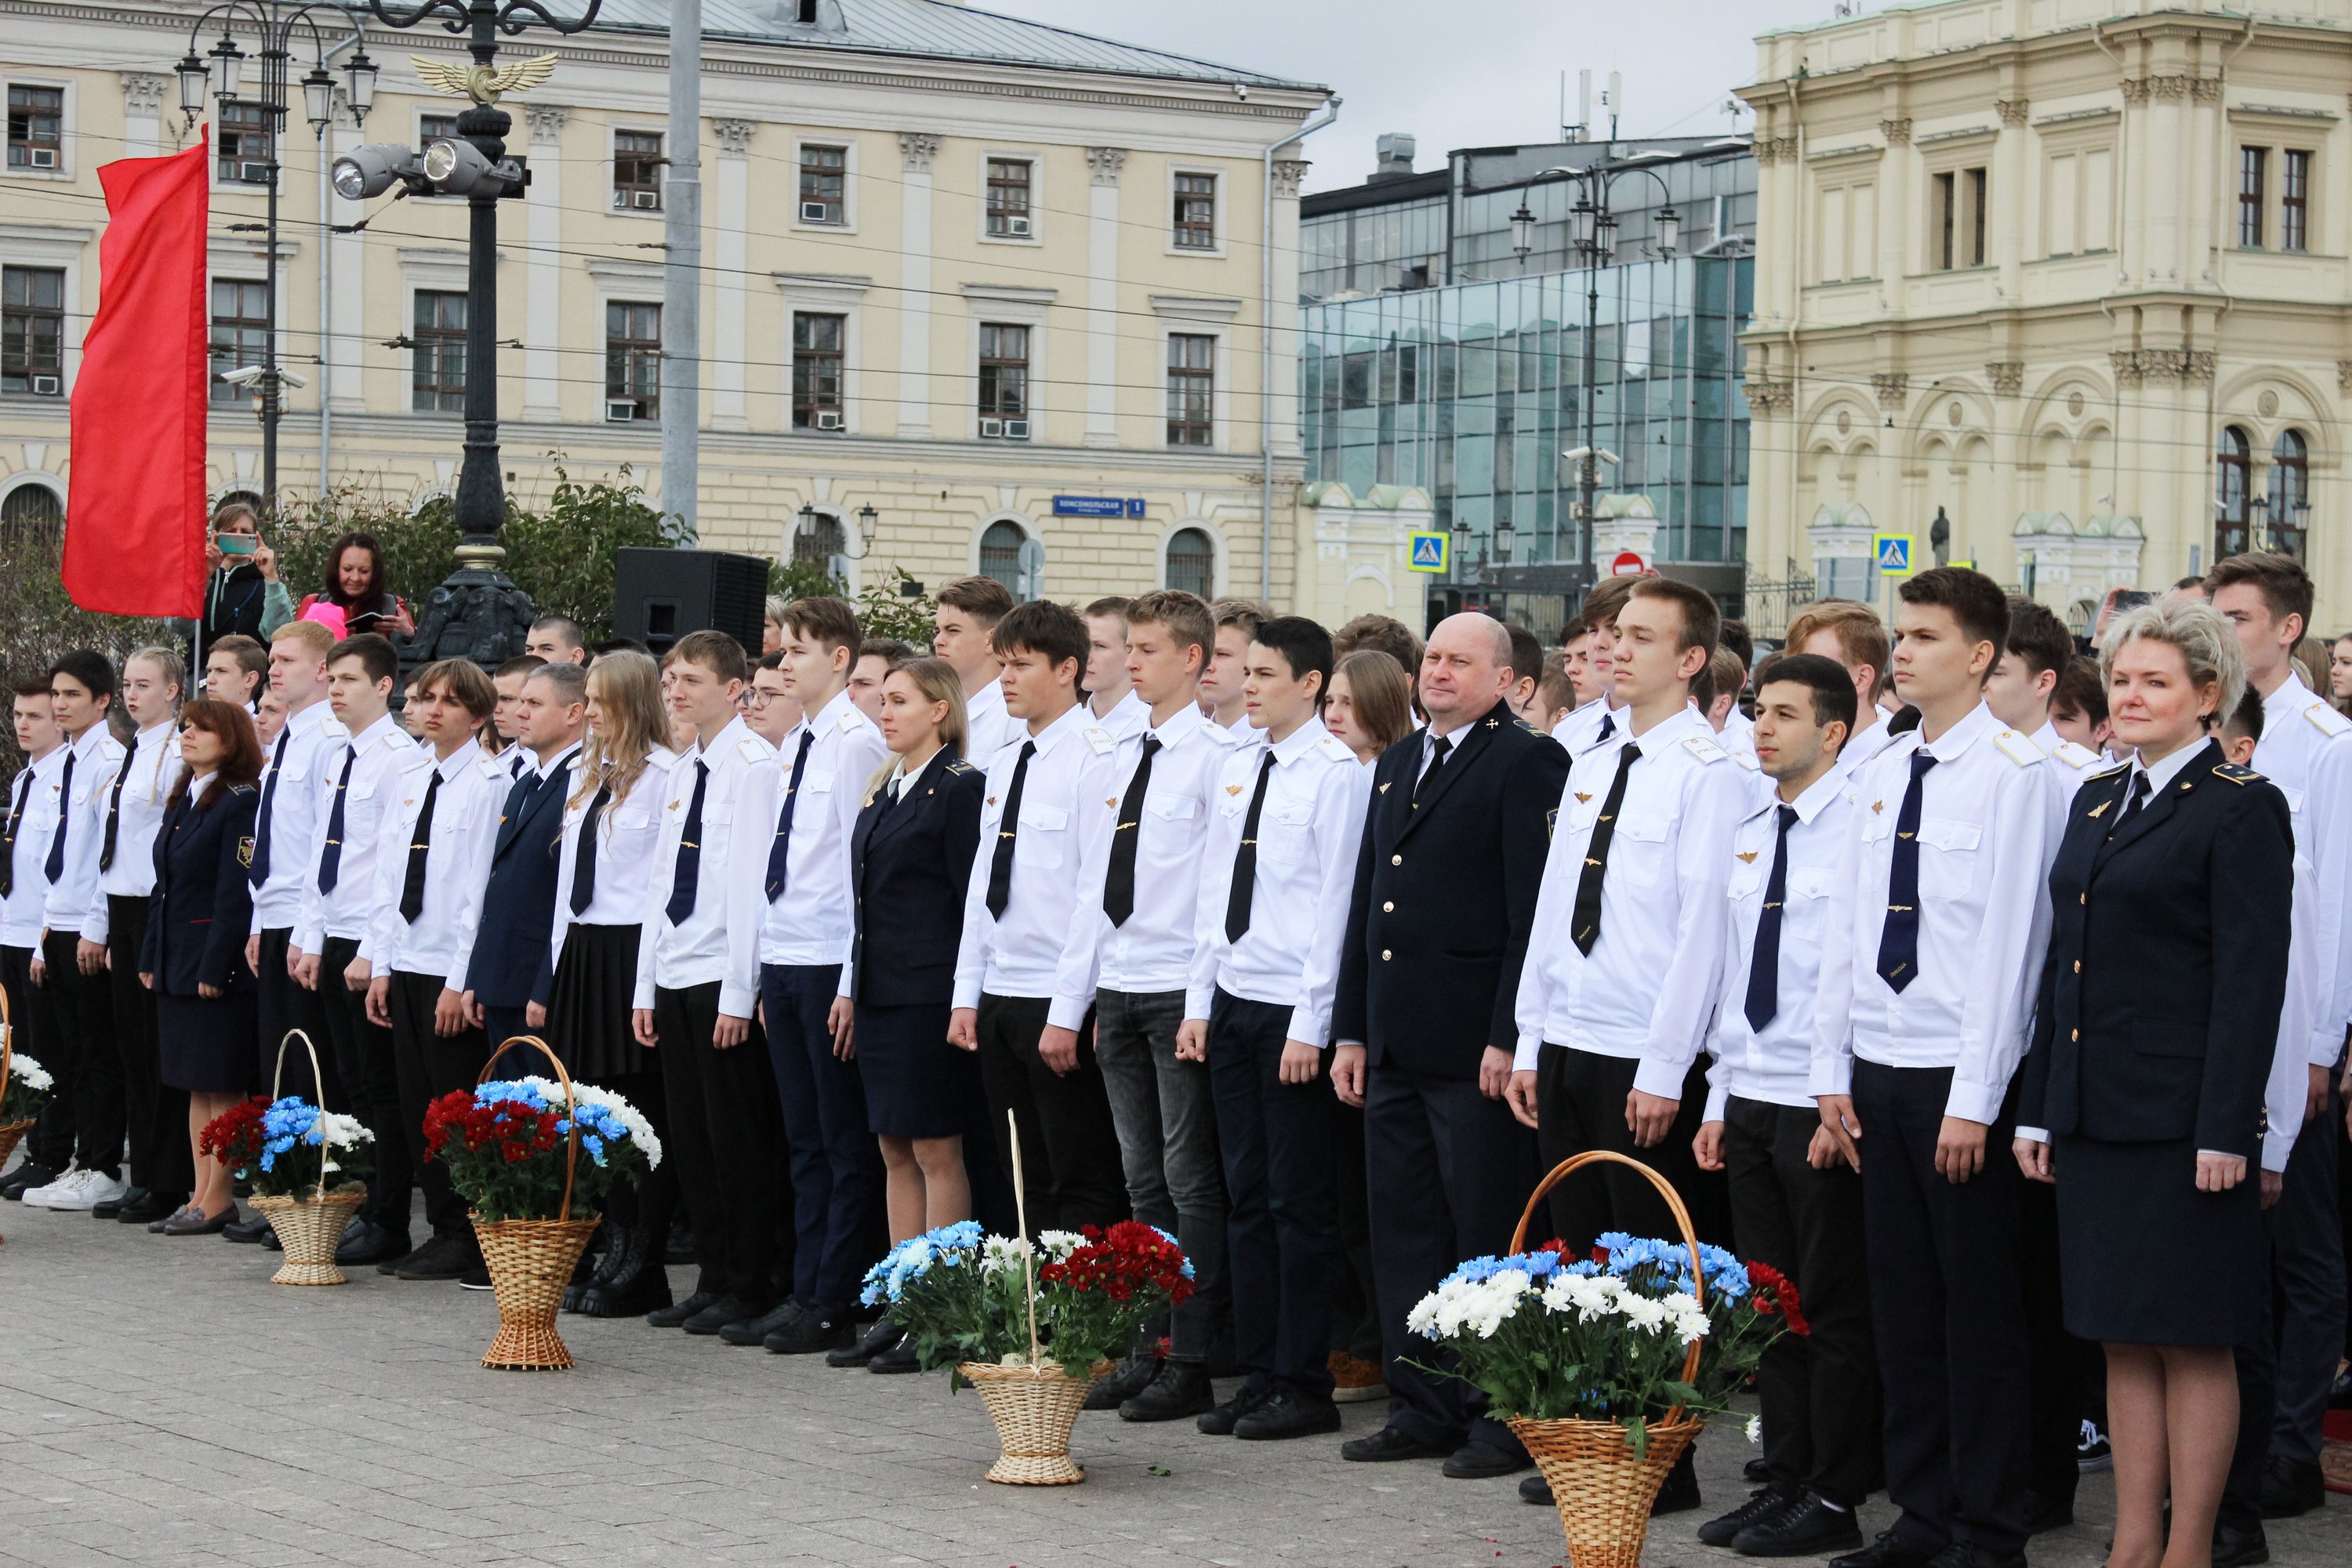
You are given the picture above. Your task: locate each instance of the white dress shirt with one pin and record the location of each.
(1645, 991)
(96, 757)
(145, 778)
(1151, 954)
(1738, 735)
(1775, 1064)
(298, 812)
(1020, 955)
(1130, 715)
(1309, 832)
(2070, 764)
(1245, 730)
(1986, 839)
(673, 957)
(463, 832)
(1579, 729)
(378, 756)
(32, 803)
(627, 836)
(2305, 751)
(1872, 739)
(814, 921)
(987, 727)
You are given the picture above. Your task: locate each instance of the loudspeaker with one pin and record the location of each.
(659, 595)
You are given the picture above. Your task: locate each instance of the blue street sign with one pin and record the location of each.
(1097, 506)
(1429, 552)
(1893, 553)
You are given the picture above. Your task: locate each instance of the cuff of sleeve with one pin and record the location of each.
(1717, 1095)
(642, 999)
(1196, 1003)
(966, 994)
(2033, 1134)
(1523, 1058)
(1834, 1076)
(1066, 1012)
(2326, 1047)
(1661, 1079)
(1975, 1102)
(737, 1001)
(849, 985)
(1308, 1025)
(2276, 1147)
(309, 940)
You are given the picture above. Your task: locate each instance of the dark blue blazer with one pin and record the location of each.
(510, 965)
(2160, 998)
(909, 867)
(203, 905)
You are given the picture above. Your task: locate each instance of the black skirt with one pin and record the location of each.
(2123, 1210)
(207, 1044)
(588, 1006)
(916, 1085)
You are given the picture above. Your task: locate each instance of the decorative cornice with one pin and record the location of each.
(1893, 387)
(2344, 375)
(1772, 150)
(1773, 399)
(2136, 367)
(1287, 174)
(2013, 110)
(734, 136)
(916, 148)
(2135, 91)
(1104, 162)
(1896, 131)
(546, 122)
(143, 93)
(2007, 377)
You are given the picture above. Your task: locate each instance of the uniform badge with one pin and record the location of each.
(244, 852)
(2101, 809)
(1748, 856)
(1230, 789)
(1876, 806)
(1581, 797)
(1552, 822)
(1493, 723)
(1384, 789)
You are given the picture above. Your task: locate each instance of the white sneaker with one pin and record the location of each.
(40, 1197)
(89, 1190)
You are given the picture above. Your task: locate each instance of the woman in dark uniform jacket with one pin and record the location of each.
(2142, 1096)
(193, 955)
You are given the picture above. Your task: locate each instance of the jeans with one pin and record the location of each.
(1166, 1117)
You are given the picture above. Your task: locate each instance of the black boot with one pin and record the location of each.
(635, 1281)
(877, 1339)
(594, 1270)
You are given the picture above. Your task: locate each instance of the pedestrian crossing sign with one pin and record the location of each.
(1893, 552)
(1429, 552)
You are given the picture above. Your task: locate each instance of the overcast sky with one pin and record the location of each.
(1461, 73)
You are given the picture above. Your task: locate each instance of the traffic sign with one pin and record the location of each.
(1429, 552)
(1629, 563)
(1892, 554)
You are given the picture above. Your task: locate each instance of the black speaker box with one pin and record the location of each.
(659, 595)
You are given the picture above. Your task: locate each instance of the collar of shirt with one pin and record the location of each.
(92, 741)
(457, 762)
(1298, 743)
(198, 785)
(1814, 799)
(1680, 726)
(2292, 697)
(1127, 716)
(1070, 724)
(1242, 729)
(546, 770)
(1187, 721)
(725, 740)
(2161, 774)
(1977, 724)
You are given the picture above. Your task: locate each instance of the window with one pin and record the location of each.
(2290, 493)
(2253, 168)
(824, 171)
(32, 329)
(637, 170)
(2295, 202)
(240, 333)
(816, 371)
(1196, 212)
(1003, 371)
(33, 514)
(437, 382)
(1962, 206)
(1000, 556)
(2234, 471)
(1192, 388)
(1977, 184)
(1192, 563)
(36, 126)
(433, 127)
(817, 545)
(632, 361)
(1008, 198)
(243, 131)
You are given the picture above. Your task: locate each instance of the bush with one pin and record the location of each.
(38, 622)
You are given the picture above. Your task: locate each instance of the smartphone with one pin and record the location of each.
(237, 543)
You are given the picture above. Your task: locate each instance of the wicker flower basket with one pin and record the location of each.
(310, 1229)
(13, 1132)
(1034, 1408)
(1603, 1490)
(532, 1261)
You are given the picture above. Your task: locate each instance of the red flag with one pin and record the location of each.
(135, 506)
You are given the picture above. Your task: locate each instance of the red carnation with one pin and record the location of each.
(1776, 1292)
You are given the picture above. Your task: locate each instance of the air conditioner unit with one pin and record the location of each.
(620, 410)
(646, 199)
(44, 157)
(1016, 429)
(828, 419)
(991, 429)
(816, 212)
(1018, 228)
(253, 174)
(47, 386)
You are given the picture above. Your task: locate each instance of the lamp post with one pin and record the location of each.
(219, 74)
(868, 518)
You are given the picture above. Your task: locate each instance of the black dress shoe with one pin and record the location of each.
(1886, 1551)
(2047, 1514)
(26, 1177)
(728, 1308)
(1756, 1473)
(392, 1265)
(1478, 1461)
(1288, 1413)
(1679, 1492)
(478, 1278)
(1808, 1527)
(1127, 1378)
(816, 1328)
(1387, 1443)
(2292, 1487)
(250, 1229)
(1968, 1555)
(112, 1207)
(1533, 1488)
(1218, 1420)
(873, 1342)
(373, 1244)
(1181, 1389)
(898, 1358)
(443, 1258)
(1768, 1501)
(150, 1207)
(751, 1331)
(641, 1290)
(675, 1315)
(2239, 1546)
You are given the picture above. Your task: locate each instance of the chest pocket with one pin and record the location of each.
(1045, 831)
(637, 811)
(1285, 833)
(2293, 801)
(1638, 850)
(817, 782)
(1747, 880)
(1172, 807)
(362, 787)
(1947, 857)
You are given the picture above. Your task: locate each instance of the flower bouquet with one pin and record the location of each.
(25, 1087)
(1604, 1365)
(513, 1151)
(1035, 1328)
(309, 1168)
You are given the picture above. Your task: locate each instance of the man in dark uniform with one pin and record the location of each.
(1454, 848)
(511, 968)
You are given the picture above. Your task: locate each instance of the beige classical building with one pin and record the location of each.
(957, 266)
(2073, 272)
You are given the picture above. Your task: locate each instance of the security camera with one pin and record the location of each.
(243, 375)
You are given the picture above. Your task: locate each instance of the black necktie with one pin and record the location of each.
(1584, 920)
(583, 858)
(1608, 725)
(258, 872)
(2140, 790)
(687, 879)
(114, 808)
(56, 865)
(420, 848)
(1000, 865)
(1118, 883)
(1898, 940)
(331, 849)
(780, 849)
(1764, 966)
(1245, 882)
(1438, 747)
(16, 817)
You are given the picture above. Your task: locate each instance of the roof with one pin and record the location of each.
(1426, 185)
(931, 29)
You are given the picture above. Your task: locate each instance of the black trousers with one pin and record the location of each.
(1949, 1314)
(33, 1023)
(284, 1003)
(368, 1064)
(429, 1066)
(1355, 1299)
(726, 1139)
(838, 1229)
(1819, 1393)
(83, 1008)
(157, 1115)
(1448, 1171)
(2057, 1363)
(1070, 1163)
(1581, 1105)
(1282, 1234)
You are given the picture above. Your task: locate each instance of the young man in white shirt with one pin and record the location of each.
(1145, 818)
(508, 682)
(1275, 876)
(1601, 715)
(1938, 923)
(2023, 687)
(789, 925)
(1852, 634)
(1796, 1204)
(32, 822)
(1110, 694)
(724, 1129)
(1016, 924)
(964, 627)
(363, 775)
(1221, 696)
(769, 706)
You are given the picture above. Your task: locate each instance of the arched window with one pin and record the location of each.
(1192, 562)
(818, 540)
(2233, 485)
(1000, 555)
(2290, 492)
(33, 514)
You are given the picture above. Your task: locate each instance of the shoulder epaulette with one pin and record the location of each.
(1530, 728)
(2326, 719)
(397, 740)
(1705, 750)
(2020, 749)
(852, 719)
(2075, 755)
(958, 766)
(332, 729)
(1221, 735)
(1747, 760)
(2108, 772)
(240, 789)
(494, 768)
(1332, 747)
(1100, 741)
(2236, 775)
(753, 750)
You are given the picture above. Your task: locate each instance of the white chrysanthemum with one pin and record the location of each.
(1643, 1312)
(1756, 1430)
(1491, 1304)
(1422, 1319)
(1685, 1316)
(346, 1132)
(641, 1131)
(1060, 1244)
(30, 1072)
(999, 1254)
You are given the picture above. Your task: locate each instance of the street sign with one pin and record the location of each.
(1429, 552)
(1097, 506)
(1893, 553)
(1628, 565)
(1969, 565)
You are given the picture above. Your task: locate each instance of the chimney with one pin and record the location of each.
(1392, 156)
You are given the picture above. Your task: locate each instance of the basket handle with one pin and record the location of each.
(7, 1043)
(1575, 1162)
(318, 1083)
(571, 1108)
